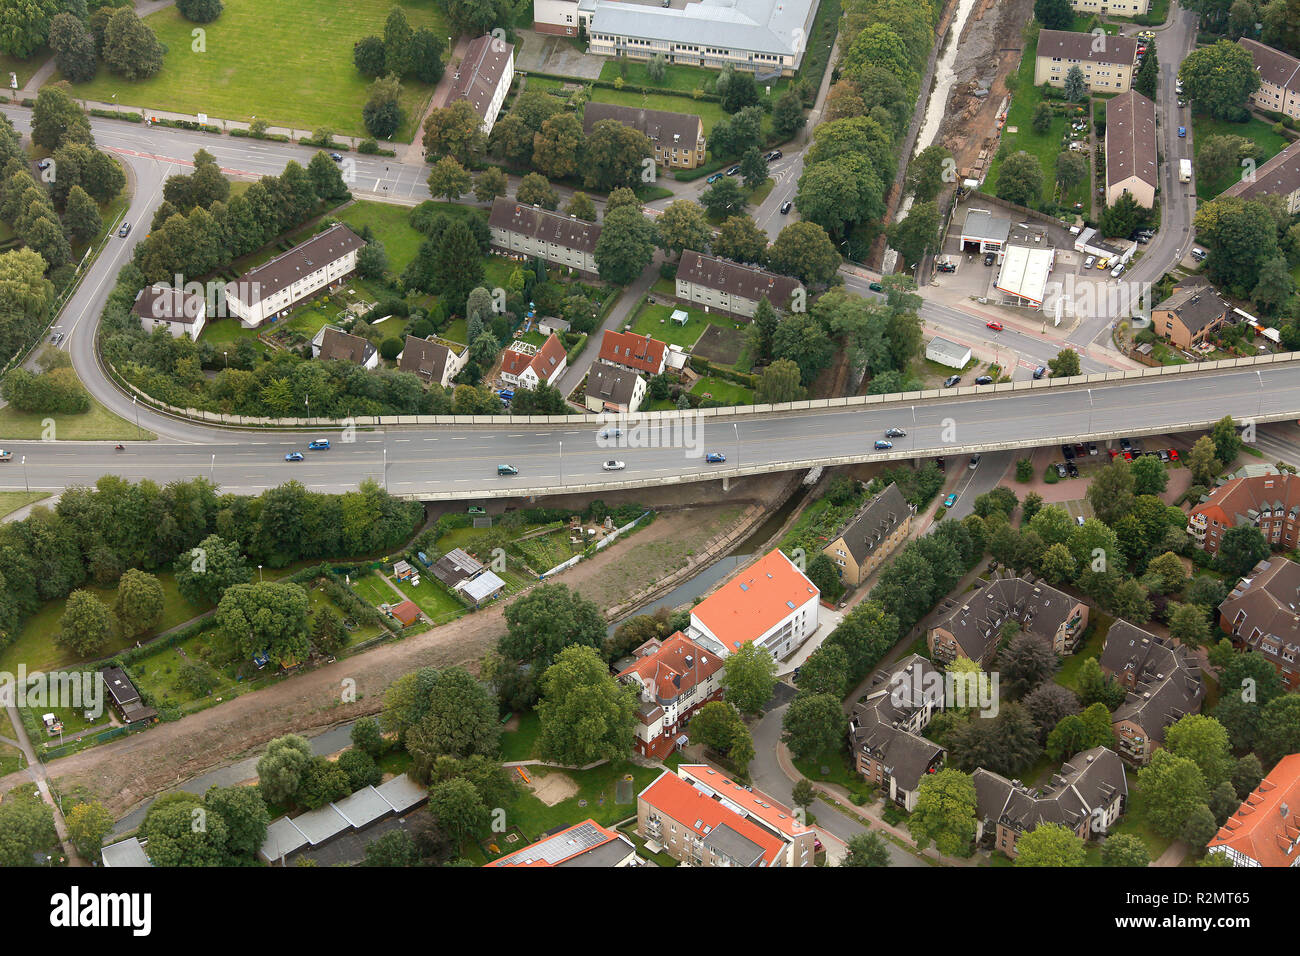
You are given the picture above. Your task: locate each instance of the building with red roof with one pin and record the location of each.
(674, 678)
(771, 603)
(758, 808)
(526, 369)
(583, 844)
(693, 826)
(408, 612)
(1269, 502)
(640, 353)
(1265, 829)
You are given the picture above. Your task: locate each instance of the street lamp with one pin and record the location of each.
(226, 356)
(25, 482)
(137, 412)
(1089, 411)
(736, 426)
(913, 429)
(561, 462)
(212, 469)
(259, 574)
(1260, 376)
(307, 401)
(385, 468)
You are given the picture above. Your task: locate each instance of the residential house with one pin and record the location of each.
(1163, 681)
(613, 389)
(766, 37)
(692, 826)
(1115, 8)
(1190, 315)
(331, 343)
(770, 603)
(640, 353)
(528, 369)
(758, 808)
(271, 290)
(885, 729)
(1279, 79)
(1265, 829)
(677, 138)
(974, 629)
(674, 678)
(1131, 149)
(1108, 62)
(530, 231)
(483, 78)
(435, 361)
(1263, 616)
(178, 311)
(1088, 796)
(124, 697)
(583, 844)
(1269, 502)
(871, 536)
(729, 286)
(1278, 176)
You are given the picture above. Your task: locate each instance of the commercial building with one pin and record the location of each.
(1265, 829)
(1022, 279)
(983, 232)
(435, 361)
(1107, 62)
(483, 78)
(1279, 79)
(766, 37)
(526, 369)
(1163, 682)
(729, 286)
(677, 138)
(1131, 149)
(974, 629)
(1269, 502)
(530, 231)
(271, 290)
(871, 536)
(178, 311)
(1190, 315)
(1263, 616)
(354, 815)
(674, 678)
(611, 388)
(640, 353)
(947, 353)
(770, 603)
(583, 844)
(1279, 176)
(332, 344)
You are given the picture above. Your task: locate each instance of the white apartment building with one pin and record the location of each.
(271, 290)
(771, 603)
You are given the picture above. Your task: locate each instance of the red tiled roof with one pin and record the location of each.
(1260, 829)
(1238, 497)
(634, 351)
(544, 361)
(753, 801)
(676, 666)
(675, 798)
(755, 600)
(406, 612)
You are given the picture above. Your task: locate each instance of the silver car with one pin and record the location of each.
(613, 465)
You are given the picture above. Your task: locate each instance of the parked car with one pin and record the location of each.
(713, 179)
(715, 458)
(990, 258)
(1182, 103)
(1164, 455)
(951, 380)
(1060, 470)
(946, 267)
(1199, 254)
(950, 500)
(475, 510)
(293, 456)
(1088, 262)
(1173, 454)
(44, 164)
(1113, 453)
(1067, 451)
(895, 433)
(1118, 271)
(126, 227)
(882, 445)
(1125, 444)
(734, 170)
(506, 471)
(613, 465)
(774, 155)
(1092, 448)
(1072, 469)
(995, 326)
(974, 462)
(786, 207)
(1040, 371)
(1128, 456)
(984, 380)
(1080, 451)
(1079, 520)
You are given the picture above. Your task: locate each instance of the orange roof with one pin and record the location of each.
(559, 848)
(753, 802)
(406, 612)
(633, 351)
(674, 667)
(697, 811)
(1259, 829)
(755, 600)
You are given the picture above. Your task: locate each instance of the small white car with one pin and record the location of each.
(613, 465)
(1088, 262)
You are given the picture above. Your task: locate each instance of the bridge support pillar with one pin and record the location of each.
(916, 462)
(726, 484)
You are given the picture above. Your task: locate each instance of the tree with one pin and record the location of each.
(1125, 849)
(1048, 704)
(1172, 787)
(1189, 623)
(1150, 476)
(1227, 441)
(1241, 549)
(280, 769)
(131, 50)
(1054, 14)
(199, 11)
(787, 114)
(26, 828)
(244, 813)
(1111, 490)
(614, 155)
(1223, 802)
(813, 726)
(1027, 662)
(927, 171)
(1071, 169)
(457, 807)
(803, 249)
(916, 234)
(1241, 235)
(682, 226)
(626, 245)
(82, 216)
(322, 781)
(360, 768)
(779, 383)
(88, 824)
(1246, 775)
(1020, 180)
(548, 619)
(717, 725)
(1096, 687)
(581, 206)
(1065, 364)
(1204, 741)
(803, 340)
(1201, 461)
(394, 848)
(1050, 844)
(86, 626)
(1199, 827)
(724, 198)
(1148, 73)
(657, 68)
(585, 714)
(181, 832)
(1275, 285)
(139, 604)
(57, 119)
(1279, 728)
(1075, 86)
(748, 678)
(367, 735)
(267, 618)
(866, 849)
(460, 719)
(1042, 118)
(945, 812)
(454, 131)
(535, 190)
(25, 26)
(449, 179)
(382, 113)
(372, 263)
(397, 43)
(753, 168)
(557, 146)
(426, 56)
(1220, 78)
(368, 56)
(74, 48)
(203, 573)
(803, 793)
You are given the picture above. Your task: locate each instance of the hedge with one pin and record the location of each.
(116, 114)
(370, 147)
(703, 366)
(273, 137)
(190, 125)
(689, 175)
(577, 348)
(632, 87)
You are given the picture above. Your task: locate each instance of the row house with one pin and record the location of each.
(729, 286)
(1269, 502)
(533, 232)
(1108, 63)
(871, 536)
(674, 678)
(483, 78)
(1279, 176)
(1131, 149)
(268, 292)
(1263, 616)
(770, 603)
(1163, 681)
(1279, 79)
(974, 629)
(1265, 829)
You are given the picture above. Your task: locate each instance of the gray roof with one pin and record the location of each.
(609, 383)
(875, 522)
(983, 225)
(886, 723)
(300, 261)
(454, 567)
(1268, 600)
(607, 854)
(544, 225)
(1280, 176)
(344, 346)
(282, 838)
(977, 624)
(659, 126)
(764, 26)
(424, 358)
(363, 807)
(162, 301)
(403, 793)
(319, 825)
(480, 72)
(749, 282)
(1196, 306)
(571, 846)
(955, 352)
(738, 848)
(129, 852)
(1083, 46)
(1167, 679)
(1131, 139)
(1273, 66)
(481, 587)
(1091, 779)
(120, 686)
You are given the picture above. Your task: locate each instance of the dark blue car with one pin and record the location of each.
(293, 456)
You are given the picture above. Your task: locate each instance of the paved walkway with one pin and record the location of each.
(413, 152)
(35, 770)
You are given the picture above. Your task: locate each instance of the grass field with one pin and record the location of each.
(1255, 129)
(98, 424)
(687, 79)
(438, 604)
(653, 320)
(24, 68)
(707, 111)
(392, 227)
(729, 393)
(11, 501)
(521, 744)
(228, 333)
(289, 63)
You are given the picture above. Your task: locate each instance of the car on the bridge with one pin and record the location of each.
(319, 444)
(984, 380)
(995, 326)
(1182, 132)
(715, 458)
(895, 433)
(126, 227)
(713, 179)
(951, 380)
(786, 207)
(506, 471)
(613, 465)
(950, 500)
(611, 433)
(293, 456)
(875, 287)
(882, 445)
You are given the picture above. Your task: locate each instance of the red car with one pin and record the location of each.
(995, 326)
(1113, 453)
(1128, 456)
(1173, 454)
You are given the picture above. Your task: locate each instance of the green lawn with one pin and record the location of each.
(373, 589)
(688, 79)
(707, 111)
(228, 332)
(596, 787)
(1135, 820)
(839, 773)
(438, 604)
(392, 227)
(11, 760)
(729, 393)
(98, 424)
(521, 744)
(11, 501)
(289, 63)
(24, 68)
(1094, 639)
(1255, 129)
(457, 331)
(654, 321)
(159, 673)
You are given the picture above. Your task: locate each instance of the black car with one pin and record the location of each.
(734, 170)
(895, 433)
(786, 206)
(1067, 451)
(984, 380)
(990, 258)
(951, 380)
(1125, 444)
(774, 155)
(1072, 469)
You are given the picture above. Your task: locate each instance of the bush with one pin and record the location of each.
(55, 391)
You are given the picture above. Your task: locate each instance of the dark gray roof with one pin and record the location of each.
(425, 358)
(611, 853)
(1082, 46)
(162, 301)
(886, 725)
(302, 260)
(344, 346)
(659, 126)
(741, 850)
(733, 278)
(1196, 307)
(542, 224)
(120, 686)
(1268, 600)
(1090, 780)
(982, 224)
(875, 522)
(1280, 176)
(1131, 139)
(1168, 679)
(479, 74)
(977, 624)
(454, 567)
(1273, 66)
(609, 383)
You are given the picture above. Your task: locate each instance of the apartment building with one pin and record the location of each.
(1269, 502)
(871, 536)
(677, 138)
(583, 844)
(1118, 8)
(1131, 149)
(1190, 315)
(1278, 176)
(529, 231)
(674, 678)
(770, 603)
(483, 78)
(271, 290)
(758, 808)
(435, 361)
(974, 629)
(178, 311)
(1263, 616)
(729, 286)
(1279, 79)
(1163, 681)
(1265, 829)
(1108, 62)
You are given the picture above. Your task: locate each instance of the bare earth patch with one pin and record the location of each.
(553, 788)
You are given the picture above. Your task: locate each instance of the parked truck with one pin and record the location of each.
(1184, 170)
